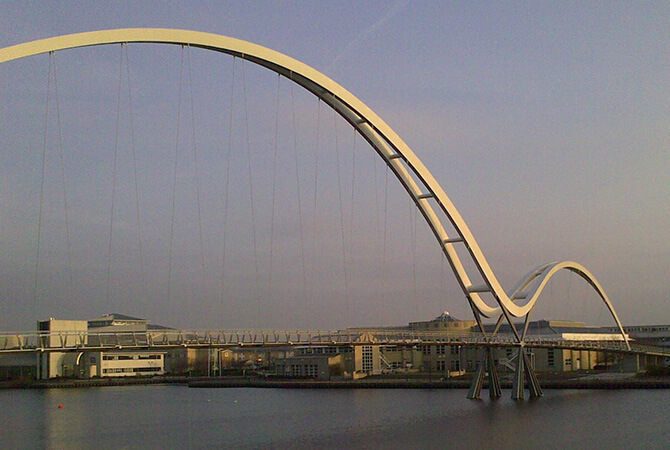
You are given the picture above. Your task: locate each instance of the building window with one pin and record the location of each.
(311, 370)
(117, 370)
(297, 370)
(441, 349)
(550, 357)
(455, 365)
(146, 369)
(441, 365)
(367, 358)
(425, 349)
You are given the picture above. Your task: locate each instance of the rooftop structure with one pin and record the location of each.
(562, 329)
(118, 320)
(444, 322)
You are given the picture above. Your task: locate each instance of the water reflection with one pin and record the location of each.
(175, 416)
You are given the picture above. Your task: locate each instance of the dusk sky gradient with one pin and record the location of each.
(546, 123)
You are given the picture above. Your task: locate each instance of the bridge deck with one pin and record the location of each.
(34, 342)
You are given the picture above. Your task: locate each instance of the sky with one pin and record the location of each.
(546, 123)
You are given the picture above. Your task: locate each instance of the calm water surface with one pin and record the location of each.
(180, 417)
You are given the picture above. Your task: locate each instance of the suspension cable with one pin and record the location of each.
(116, 148)
(174, 178)
(551, 295)
(443, 292)
(412, 217)
(251, 194)
(136, 182)
(302, 234)
(567, 301)
(44, 161)
(385, 227)
(197, 177)
(227, 184)
(378, 227)
(342, 233)
(274, 189)
(315, 206)
(352, 235)
(353, 187)
(62, 171)
(377, 208)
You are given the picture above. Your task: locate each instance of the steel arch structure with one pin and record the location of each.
(417, 180)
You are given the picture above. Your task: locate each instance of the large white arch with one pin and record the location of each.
(407, 167)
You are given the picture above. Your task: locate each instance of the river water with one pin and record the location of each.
(182, 417)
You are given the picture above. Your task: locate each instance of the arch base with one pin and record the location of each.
(524, 370)
(485, 364)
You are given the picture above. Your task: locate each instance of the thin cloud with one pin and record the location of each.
(367, 33)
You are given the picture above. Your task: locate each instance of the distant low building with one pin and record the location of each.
(453, 360)
(658, 335)
(316, 366)
(110, 329)
(18, 366)
(61, 332)
(123, 364)
(367, 357)
(190, 361)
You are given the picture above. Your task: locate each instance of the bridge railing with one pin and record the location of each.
(68, 339)
(26, 341)
(163, 339)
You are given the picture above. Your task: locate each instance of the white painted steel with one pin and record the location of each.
(407, 167)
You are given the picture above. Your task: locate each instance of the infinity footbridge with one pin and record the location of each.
(62, 341)
(480, 286)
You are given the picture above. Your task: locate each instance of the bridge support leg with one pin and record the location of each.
(524, 371)
(533, 384)
(485, 362)
(475, 392)
(494, 381)
(517, 384)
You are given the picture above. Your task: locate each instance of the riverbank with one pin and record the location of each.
(629, 383)
(586, 382)
(90, 382)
